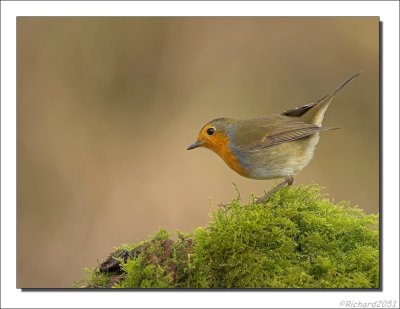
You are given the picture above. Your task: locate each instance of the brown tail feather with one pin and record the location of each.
(314, 112)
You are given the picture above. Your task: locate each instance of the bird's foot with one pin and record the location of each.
(288, 181)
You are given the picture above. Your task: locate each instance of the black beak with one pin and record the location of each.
(195, 145)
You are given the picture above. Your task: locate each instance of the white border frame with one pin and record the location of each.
(12, 297)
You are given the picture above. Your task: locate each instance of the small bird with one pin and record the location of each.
(269, 147)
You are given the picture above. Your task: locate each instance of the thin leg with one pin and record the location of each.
(288, 181)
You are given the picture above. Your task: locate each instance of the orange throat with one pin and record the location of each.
(220, 146)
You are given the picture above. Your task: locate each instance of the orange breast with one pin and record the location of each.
(219, 144)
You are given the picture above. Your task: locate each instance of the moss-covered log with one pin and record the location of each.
(298, 239)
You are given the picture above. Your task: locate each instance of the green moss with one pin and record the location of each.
(93, 279)
(298, 239)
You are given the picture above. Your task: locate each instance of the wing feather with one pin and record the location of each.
(286, 133)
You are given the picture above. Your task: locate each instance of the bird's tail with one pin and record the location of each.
(314, 112)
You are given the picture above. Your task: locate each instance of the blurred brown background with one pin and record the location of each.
(107, 107)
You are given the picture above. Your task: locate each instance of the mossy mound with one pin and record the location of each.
(298, 239)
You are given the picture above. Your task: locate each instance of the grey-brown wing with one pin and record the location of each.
(287, 132)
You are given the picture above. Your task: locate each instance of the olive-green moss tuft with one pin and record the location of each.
(93, 279)
(298, 239)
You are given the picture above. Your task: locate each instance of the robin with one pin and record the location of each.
(269, 147)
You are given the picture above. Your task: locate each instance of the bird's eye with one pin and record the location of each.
(210, 131)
